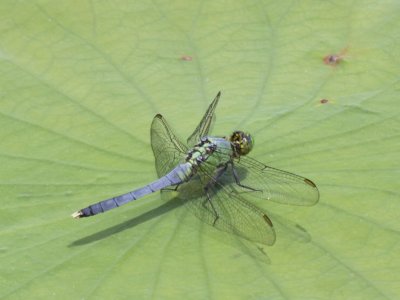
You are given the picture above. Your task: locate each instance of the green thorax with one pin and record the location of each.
(214, 150)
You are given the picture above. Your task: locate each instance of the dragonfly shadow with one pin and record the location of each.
(160, 210)
(187, 191)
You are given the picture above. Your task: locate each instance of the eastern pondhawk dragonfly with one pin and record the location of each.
(221, 171)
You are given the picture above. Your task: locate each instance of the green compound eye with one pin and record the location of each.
(243, 142)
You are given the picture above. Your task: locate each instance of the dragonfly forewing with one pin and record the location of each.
(205, 124)
(251, 177)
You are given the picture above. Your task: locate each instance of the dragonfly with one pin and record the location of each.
(214, 175)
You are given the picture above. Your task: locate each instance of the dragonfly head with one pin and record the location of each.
(243, 142)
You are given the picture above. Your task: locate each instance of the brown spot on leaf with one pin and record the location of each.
(334, 59)
(186, 58)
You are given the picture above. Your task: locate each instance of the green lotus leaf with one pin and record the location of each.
(315, 82)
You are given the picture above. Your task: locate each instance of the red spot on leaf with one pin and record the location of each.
(334, 59)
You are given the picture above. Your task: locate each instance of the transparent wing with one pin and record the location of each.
(205, 124)
(274, 184)
(226, 211)
(167, 148)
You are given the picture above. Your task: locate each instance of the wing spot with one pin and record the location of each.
(309, 182)
(268, 220)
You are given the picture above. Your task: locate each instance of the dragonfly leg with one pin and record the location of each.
(171, 189)
(216, 216)
(237, 180)
(221, 170)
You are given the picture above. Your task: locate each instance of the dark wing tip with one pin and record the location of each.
(268, 220)
(309, 182)
(158, 116)
(314, 186)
